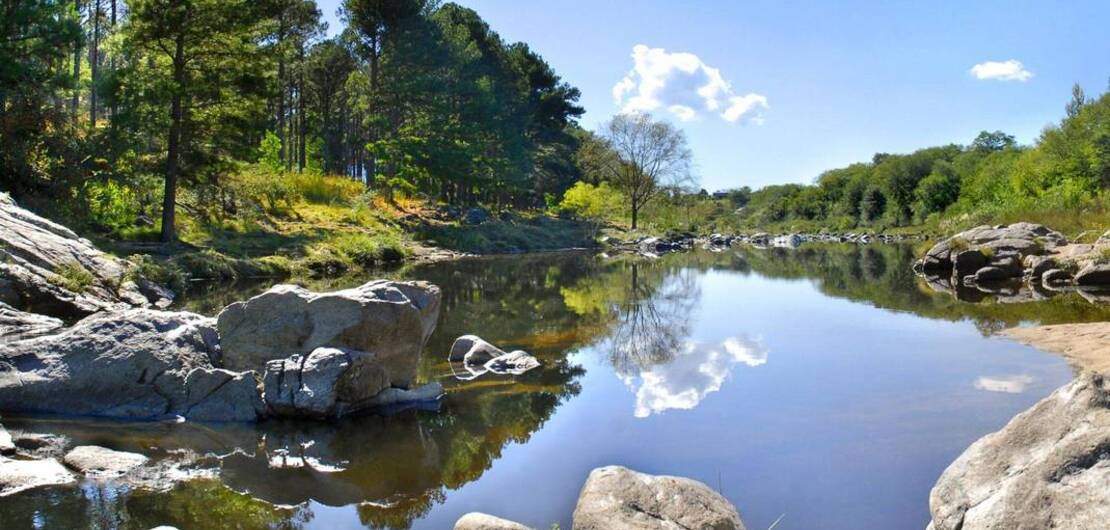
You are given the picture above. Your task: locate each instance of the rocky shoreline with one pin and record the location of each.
(654, 247)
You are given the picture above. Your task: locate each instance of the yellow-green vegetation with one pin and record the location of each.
(516, 232)
(73, 277)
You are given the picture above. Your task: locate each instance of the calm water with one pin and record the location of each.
(826, 385)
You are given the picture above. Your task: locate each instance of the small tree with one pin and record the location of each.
(641, 158)
(595, 204)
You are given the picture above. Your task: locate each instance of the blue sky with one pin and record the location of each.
(816, 85)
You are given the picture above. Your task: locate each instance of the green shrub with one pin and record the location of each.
(73, 277)
(111, 205)
(272, 192)
(367, 250)
(325, 189)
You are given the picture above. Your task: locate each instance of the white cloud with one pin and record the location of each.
(684, 381)
(1011, 70)
(1009, 384)
(682, 84)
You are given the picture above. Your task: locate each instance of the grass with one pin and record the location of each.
(73, 277)
(523, 233)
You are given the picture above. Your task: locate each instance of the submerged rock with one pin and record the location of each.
(129, 364)
(515, 362)
(390, 320)
(1048, 468)
(471, 349)
(96, 461)
(20, 475)
(617, 498)
(481, 521)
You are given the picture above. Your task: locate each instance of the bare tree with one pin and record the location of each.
(643, 159)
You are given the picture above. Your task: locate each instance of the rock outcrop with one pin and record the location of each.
(137, 363)
(481, 521)
(998, 248)
(391, 320)
(1048, 468)
(617, 498)
(41, 260)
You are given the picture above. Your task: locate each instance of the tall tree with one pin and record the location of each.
(642, 158)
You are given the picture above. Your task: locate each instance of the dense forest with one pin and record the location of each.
(113, 110)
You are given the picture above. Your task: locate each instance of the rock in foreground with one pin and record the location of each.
(130, 364)
(1048, 468)
(19, 475)
(617, 498)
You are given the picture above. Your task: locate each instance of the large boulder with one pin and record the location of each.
(617, 498)
(1048, 468)
(389, 320)
(41, 258)
(130, 364)
(481, 521)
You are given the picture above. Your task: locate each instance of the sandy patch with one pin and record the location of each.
(1085, 346)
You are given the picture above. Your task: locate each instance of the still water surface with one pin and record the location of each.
(826, 386)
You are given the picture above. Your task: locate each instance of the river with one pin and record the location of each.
(825, 387)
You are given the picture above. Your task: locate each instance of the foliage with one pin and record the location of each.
(597, 204)
(72, 276)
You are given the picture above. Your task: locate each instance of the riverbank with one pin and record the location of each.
(1085, 346)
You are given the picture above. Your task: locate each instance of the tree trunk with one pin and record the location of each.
(173, 147)
(112, 58)
(77, 66)
(94, 59)
(635, 214)
(300, 111)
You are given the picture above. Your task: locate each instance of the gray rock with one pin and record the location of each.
(513, 363)
(222, 395)
(101, 462)
(391, 320)
(326, 383)
(1093, 274)
(129, 364)
(1036, 266)
(36, 250)
(993, 274)
(1055, 277)
(1048, 468)
(1020, 239)
(481, 521)
(617, 498)
(20, 475)
(967, 262)
(18, 325)
(400, 396)
(472, 350)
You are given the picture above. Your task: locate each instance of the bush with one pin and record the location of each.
(367, 250)
(111, 205)
(597, 204)
(73, 277)
(325, 189)
(270, 191)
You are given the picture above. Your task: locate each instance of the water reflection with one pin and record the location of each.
(1009, 384)
(695, 372)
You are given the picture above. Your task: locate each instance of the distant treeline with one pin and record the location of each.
(1066, 170)
(159, 102)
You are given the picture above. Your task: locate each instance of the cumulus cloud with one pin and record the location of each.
(1011, 70)
(695, 372)
(682, 84)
